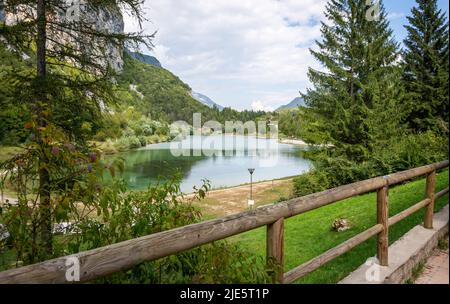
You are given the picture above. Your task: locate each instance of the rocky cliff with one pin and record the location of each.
(2, 12)
(108, 19)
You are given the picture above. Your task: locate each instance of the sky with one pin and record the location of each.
(245, 54)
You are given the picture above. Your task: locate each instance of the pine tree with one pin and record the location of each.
(357, 92)
(70, 71)
(427, 67)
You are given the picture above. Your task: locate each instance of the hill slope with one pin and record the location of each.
(160, 93)
(145, 58)
(206, 100)
(293, 104)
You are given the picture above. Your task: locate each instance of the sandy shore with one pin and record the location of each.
(297, 142)
(227, 201)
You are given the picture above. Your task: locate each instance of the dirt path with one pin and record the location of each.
(436, 269)
(7, 199)
(234, 200)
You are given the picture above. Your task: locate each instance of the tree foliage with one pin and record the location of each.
(426, 61)
(68, 79)
(357, 93)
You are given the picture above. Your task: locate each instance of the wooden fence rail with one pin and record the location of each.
(121, 256)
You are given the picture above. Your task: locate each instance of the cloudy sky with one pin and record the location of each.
(244, 53)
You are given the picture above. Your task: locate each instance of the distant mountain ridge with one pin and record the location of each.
(297, 102)
(206, 100)
(147, 59)
(151, 60)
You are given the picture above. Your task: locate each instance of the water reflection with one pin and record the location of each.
(224, 165)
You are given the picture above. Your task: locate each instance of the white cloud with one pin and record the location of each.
(260, 106)
(394, 16)
(237, 51)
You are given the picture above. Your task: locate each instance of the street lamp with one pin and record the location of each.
(251, 202)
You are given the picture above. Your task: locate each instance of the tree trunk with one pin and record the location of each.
(44, 175)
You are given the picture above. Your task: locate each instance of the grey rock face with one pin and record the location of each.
(2, 12)
(108, 20)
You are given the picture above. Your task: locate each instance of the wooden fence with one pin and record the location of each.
(121, 256)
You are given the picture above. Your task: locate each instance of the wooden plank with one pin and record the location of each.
(441, 193)
(331, 254)
(121, 256)
(382, 218)
(429, 211)
(405, 213)
(275, 249)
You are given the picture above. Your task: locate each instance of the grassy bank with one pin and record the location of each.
(308, 235)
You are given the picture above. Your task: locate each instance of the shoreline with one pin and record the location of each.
(297, 142)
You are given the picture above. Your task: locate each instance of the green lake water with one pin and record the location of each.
(222, 159)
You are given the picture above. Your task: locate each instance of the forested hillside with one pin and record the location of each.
(146, 100)
(164, 95)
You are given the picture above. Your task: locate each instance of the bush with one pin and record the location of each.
(410, 151)
(147, 130)
(397, 154)
(143, 140)
(128, 132)
(108, 147)
(160, 208)
(100, 136)
(310, 183)
(134, 142)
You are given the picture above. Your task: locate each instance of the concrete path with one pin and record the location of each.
(436, 270)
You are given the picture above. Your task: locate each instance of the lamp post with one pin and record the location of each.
(251, 202)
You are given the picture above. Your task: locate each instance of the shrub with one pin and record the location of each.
(143, 140)
(108, 147)
(134, 142)
(128, 132)
(100, 136)
(147, 130)
(397, 154)
(310, 183)
(122, 144)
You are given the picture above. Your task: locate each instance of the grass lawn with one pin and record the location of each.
(8, 152)
(308, 235)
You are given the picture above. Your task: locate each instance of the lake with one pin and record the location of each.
(222, 159)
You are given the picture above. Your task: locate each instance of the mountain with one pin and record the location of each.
(299, 101)
(105, 19)
(159, 93)
(145, 58)
(206, 100)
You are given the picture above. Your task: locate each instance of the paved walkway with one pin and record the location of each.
(436, 269)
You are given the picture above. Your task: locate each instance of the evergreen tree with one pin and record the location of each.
(427, 67)
(357, 93)
(70, 76)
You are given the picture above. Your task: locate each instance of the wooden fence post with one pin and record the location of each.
(429, 211)
(275, 249)
(382, 218)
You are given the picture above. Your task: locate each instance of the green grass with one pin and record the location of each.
(8, 152)
(309, 235)
(416, 272)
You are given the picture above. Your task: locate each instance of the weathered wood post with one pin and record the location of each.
(382, 218)
(275, 249)
(429, 211)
